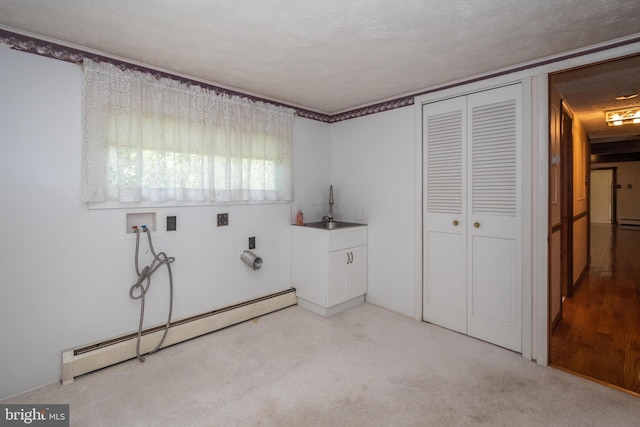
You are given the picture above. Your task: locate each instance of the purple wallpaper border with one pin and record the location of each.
(68, 54)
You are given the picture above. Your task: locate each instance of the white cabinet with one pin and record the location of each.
(329, 267)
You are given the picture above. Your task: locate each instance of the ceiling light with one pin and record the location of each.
(625, 116)
(626, 96)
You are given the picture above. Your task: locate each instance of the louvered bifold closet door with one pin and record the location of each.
(444, 209)
(493, 220)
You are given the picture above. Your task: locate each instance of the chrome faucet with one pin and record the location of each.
(330, 214)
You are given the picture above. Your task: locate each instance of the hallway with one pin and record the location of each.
(599, 334)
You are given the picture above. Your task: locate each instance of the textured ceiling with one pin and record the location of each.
(590, 91)
(328, 56)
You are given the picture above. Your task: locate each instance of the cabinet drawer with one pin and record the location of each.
(348, 238)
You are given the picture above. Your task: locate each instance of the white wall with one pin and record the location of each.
(372, 163)
(65, 270)
(311, 157)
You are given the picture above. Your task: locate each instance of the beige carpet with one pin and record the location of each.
(364, 367)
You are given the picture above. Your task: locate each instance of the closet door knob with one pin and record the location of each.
(476, 224)
(455, 222)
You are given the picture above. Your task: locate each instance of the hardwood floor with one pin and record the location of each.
(599, 334)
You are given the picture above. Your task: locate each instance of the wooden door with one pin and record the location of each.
(566, 201)
(557, 221)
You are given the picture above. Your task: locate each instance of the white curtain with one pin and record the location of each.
(155, 139)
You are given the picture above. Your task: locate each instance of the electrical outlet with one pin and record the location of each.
(171, 223)
(252, 242)
(223, 219)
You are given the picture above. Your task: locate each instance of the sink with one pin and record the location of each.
(332, 225)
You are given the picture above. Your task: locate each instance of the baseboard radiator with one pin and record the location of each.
(82, 360)
(632, 223)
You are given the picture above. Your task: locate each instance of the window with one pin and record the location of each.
(158, 140)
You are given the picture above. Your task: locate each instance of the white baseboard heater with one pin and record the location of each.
(631, 223)
(82, 360)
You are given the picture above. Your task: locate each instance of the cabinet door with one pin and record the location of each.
(357, 272)
(337, 266)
